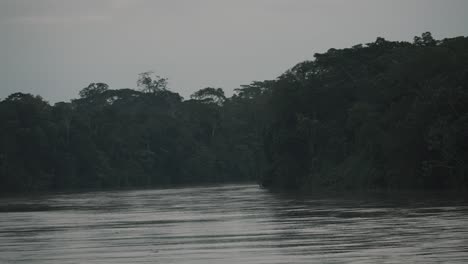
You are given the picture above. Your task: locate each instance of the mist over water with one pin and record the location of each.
(231, 224)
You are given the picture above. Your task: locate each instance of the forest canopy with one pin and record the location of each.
(382, 115)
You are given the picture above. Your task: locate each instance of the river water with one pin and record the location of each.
(231, 224)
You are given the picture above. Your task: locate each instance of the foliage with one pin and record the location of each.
(387, 115)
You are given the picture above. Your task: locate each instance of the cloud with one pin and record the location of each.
(121, 4)
(52, 20)
(63, 12)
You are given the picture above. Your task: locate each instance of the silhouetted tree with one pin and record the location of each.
(386, 115)
(151, 84)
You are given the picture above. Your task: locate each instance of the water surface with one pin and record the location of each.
(231, 224)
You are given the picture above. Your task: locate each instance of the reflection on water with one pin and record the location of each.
(230, 224)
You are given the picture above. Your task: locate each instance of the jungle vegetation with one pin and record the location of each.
(383, 115)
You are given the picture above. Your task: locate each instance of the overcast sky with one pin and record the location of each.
(56, 47)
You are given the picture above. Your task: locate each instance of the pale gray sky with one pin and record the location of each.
(56, 47)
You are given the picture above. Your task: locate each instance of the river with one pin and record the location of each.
(231, 224)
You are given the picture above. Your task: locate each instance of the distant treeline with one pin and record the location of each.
(384, 115)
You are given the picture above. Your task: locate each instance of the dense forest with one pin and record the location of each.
(382, 115)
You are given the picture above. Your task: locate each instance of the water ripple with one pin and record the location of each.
(231, 224)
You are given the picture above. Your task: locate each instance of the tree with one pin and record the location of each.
(93, 90)
(426, 39)
(151, 84)
(210, 95)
